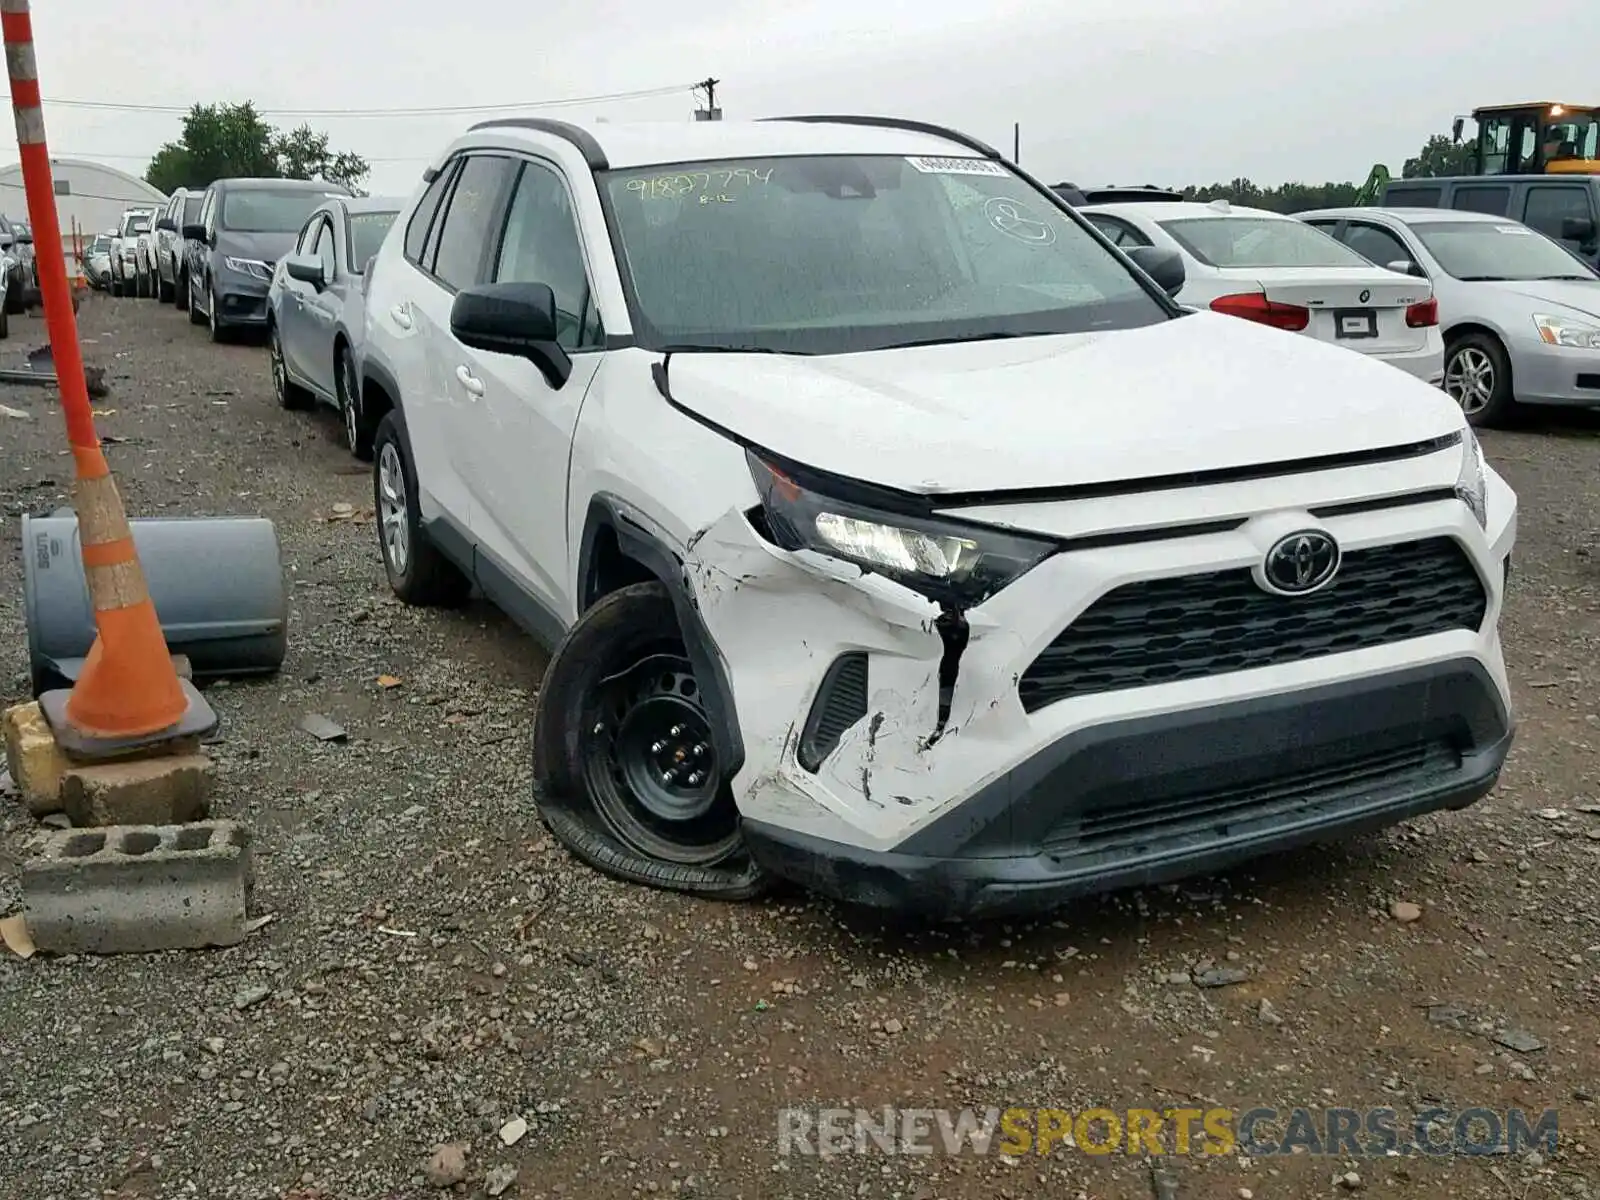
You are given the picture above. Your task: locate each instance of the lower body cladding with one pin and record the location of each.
(1556, 375)
(240, 303)
(1120, 715)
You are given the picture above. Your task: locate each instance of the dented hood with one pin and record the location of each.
(1204, 392)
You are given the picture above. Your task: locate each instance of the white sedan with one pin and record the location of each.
(1275, 270)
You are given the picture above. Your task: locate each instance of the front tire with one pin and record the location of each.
(196, 317)
(1477, 376)
(625, 770)
(290, 394)
(418, 572)
(180, 293)
(218, 331)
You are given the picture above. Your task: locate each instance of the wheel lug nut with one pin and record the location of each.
(668, 778)
(657, 747)
(696, 779)
(700, 750)
(677, 731)
(599, 727)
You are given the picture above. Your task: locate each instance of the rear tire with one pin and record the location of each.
(419, 574)
(624, 773)
(357, 432)
(1477, 376)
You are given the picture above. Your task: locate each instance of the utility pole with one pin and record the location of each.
(710, 112)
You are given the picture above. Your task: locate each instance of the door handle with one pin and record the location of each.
(401, 316)
(471, 382)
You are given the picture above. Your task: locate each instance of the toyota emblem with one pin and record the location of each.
(1300, 563)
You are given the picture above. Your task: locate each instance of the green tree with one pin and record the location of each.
(1440, 155)
(303, 153)
(221, 141)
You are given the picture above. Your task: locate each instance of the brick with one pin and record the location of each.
(170, 789)
(137, 889)
(35, 761)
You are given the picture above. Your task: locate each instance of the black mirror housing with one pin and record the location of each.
(1163, 266)
(166, 225)
(195, 233)
(518, 319)
(1577, 229)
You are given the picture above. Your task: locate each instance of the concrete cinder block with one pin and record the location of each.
(136, 889)
(172, 789)
(35, 761)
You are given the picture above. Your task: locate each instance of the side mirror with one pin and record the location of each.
(512, 318)
(24, 239)
(1577, 229)
(1163, 266)
(167, 225)
(195, 233)
(306, 269)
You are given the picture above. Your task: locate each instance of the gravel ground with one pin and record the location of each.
(437, 968)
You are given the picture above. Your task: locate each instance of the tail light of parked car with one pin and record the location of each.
(1253, 306)
(1423, 315)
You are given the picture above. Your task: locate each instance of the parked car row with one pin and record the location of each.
(895, 528)
(1499, 313)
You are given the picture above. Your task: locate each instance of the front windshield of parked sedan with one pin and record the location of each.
(1484, 251)
(834, 254)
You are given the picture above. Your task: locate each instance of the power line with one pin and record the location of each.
(423, 111)
(122, 156)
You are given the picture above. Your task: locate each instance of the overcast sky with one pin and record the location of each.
(1155, 91)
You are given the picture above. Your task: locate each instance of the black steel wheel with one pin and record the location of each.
(627, 773)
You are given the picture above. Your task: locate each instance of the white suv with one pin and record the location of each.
(900, 537)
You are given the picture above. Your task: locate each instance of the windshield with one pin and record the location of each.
(191, 211)
(830, 255)
(138, 224)
(1259, 242)
(1488, 250)
(366, 235)
(269, 210)
(100, 244)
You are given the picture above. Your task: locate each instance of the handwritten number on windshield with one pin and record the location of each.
(716, 183)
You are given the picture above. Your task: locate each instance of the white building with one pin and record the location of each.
(89, 193)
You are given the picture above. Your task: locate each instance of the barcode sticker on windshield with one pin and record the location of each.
(957, 166)
(1513, 229)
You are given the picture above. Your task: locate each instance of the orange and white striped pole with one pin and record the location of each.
(128, 689)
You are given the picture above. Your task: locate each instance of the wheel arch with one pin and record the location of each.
(616, 551)
(379, 392)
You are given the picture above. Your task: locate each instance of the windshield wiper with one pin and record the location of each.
(714, 348)
(1483, 278)
(948, 341)
(1580, 278)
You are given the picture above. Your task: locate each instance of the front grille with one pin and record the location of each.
(1316, 784)
(1197, 626)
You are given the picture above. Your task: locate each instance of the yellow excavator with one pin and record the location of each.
(1535, 139)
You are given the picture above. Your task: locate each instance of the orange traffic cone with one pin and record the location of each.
(128, 693)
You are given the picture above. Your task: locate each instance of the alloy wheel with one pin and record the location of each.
(1470, 379)
(352, 421)
(393, 517)
(280, 375)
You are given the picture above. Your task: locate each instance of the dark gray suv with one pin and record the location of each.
(244, 227)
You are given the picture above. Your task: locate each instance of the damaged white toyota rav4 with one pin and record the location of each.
(898, 536)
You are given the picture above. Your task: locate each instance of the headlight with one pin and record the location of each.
(1564, 331)
(947, 561)
(1472, 482)
(248, 266)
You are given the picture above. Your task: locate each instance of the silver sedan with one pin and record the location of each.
(314, 307)
(1520, 313)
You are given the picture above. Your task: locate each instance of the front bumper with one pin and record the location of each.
(1558, 375)
(966, 798)
(1148, 800)
(241, 301)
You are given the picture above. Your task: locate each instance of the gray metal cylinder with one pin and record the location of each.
(216, 583)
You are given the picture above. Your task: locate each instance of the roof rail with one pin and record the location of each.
(578, 136)
(961, 139)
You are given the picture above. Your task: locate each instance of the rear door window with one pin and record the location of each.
(470, 225)
(1423, 197)
(1549, 206)
(1493, 199)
